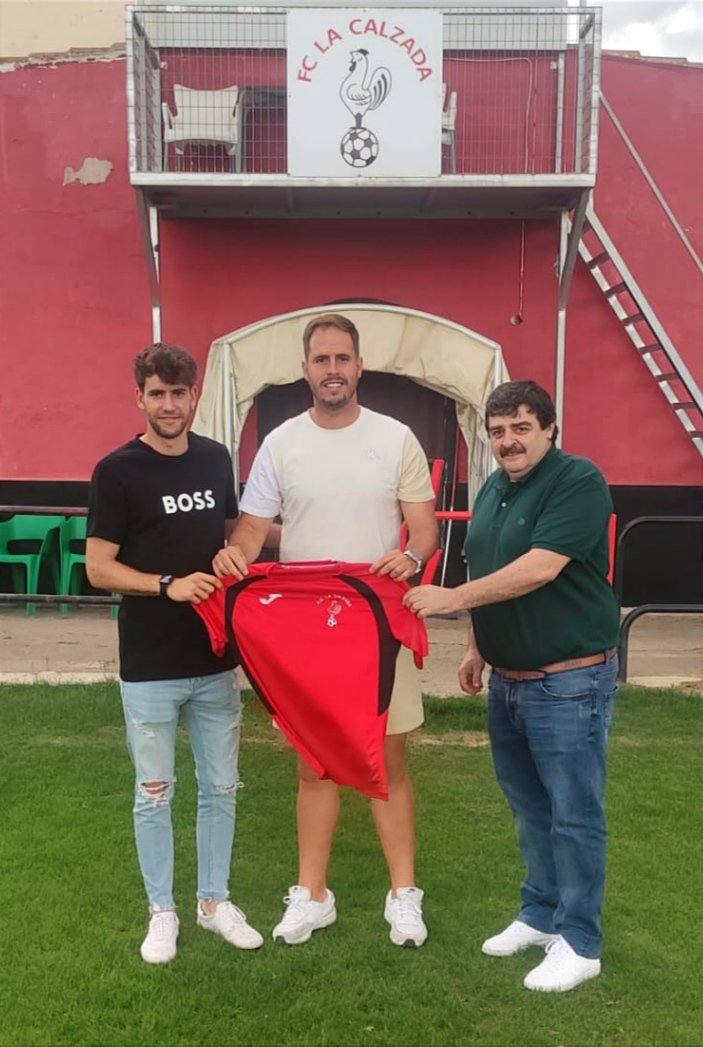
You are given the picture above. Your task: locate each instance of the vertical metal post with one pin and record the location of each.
(561, 331)
(156, 141)
(137, 81)
(229, 410)
(149, 229)
(131, 124)
(580, 77)
(569, 237)
(155, 248)
(566, 269)
(595, 91)
(559, 142)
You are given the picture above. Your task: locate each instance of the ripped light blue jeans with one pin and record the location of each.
(211, 708)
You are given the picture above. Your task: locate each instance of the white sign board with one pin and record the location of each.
(364, 92)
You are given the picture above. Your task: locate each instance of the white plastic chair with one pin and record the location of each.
(207, 117)
(449, 125)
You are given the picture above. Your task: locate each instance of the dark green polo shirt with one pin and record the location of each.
(564, 505)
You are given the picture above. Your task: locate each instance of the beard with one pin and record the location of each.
(332, 402)
(335, 405)
(169, 433)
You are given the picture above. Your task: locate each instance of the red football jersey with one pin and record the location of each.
(319, 643)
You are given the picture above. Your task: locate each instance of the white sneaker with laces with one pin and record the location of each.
(303, 916)
(231, 924)
(404, 914)
(159, 946)
(516, 937)
(561, 969)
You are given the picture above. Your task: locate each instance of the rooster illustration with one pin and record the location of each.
(361, 91)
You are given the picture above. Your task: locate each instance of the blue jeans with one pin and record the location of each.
(549, 739)
(211, 710)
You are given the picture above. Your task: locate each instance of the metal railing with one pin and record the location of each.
(59, 598)
(521, 89)
(648, 608)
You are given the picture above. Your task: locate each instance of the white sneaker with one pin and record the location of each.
(404, 914)
(231, 924)
(561, 969)
(159, 946)
(303, 916)
(516, 937)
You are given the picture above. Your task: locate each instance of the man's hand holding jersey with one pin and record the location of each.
(423, 539)
(397, 564)
(432, 599)
(230, 561)
(249, 536)
(193, 588)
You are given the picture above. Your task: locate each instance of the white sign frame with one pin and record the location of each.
(364, 92)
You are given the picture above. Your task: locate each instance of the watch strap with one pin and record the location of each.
(416, 558)
(164, 582)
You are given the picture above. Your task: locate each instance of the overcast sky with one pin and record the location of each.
(654, 27)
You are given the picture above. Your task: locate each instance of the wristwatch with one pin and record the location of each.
(164, 582)
(417, 560)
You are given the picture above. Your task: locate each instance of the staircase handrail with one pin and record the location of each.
(644, 307)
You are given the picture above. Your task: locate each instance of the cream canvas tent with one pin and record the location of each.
(443, 356)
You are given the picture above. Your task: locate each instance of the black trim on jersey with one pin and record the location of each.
(387, 644)
(230, 599)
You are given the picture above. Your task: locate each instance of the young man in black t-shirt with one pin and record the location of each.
(161, 507)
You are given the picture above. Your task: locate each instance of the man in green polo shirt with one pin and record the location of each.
(544, 616)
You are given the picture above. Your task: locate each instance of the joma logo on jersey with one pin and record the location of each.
(184, 503)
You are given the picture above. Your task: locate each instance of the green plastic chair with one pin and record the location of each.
(72, 542)
(72, 535)
(42, 532)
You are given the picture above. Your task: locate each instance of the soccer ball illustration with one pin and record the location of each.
(359, 147)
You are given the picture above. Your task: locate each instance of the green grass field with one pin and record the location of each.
(73, 914)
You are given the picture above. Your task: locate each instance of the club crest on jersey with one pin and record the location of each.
(334, 605)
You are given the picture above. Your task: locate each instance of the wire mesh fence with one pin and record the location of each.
(207, 90)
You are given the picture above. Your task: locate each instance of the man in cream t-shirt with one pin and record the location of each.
(343, 479)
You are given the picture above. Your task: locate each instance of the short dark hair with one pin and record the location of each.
(170, 363)
(330, 320)
(510, 396)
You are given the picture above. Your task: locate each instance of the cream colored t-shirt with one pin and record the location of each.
(337, 491)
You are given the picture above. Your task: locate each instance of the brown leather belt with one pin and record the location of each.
(558, 667)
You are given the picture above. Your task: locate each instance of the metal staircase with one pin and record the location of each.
(642, 327)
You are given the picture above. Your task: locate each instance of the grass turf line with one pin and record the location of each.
(73, 910)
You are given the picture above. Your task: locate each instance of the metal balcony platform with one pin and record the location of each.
(280, 196)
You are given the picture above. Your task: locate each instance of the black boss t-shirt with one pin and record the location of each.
(167, 514)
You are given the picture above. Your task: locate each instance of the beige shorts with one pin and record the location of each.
(405, 712)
